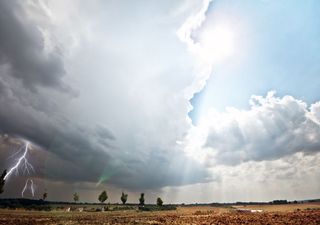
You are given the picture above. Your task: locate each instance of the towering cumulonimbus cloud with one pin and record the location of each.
(273, 128)
(119, 128)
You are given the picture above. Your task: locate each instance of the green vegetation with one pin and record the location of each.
(159, 201)
(76, 197)
(278, 202)
(141, 199)
(157, 208)
(44, 196)
(43, 205)
(120, 208)
(124, 198)
(28, 204)
(103, 197)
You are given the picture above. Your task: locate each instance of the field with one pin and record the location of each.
(271, 214)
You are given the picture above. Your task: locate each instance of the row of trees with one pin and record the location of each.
(102, 197)
(124, 197)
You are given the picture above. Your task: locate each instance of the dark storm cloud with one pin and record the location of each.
(3, 89)
(74, 157)
(24, 111)
(77, 153)
(105, 133)
(72, 154)
(22, 48)
(161, 168)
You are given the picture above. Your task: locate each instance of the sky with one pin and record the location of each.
(192, 101)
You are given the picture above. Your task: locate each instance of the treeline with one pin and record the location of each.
(41, 205)
(124, 197)
(25, 203)
(76, 197)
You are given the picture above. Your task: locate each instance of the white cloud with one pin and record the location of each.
(193, 23)
(202, 68)
(273, 127)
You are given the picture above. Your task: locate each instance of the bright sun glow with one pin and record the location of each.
(216, 44)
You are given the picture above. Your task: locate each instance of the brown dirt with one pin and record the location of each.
(282, 208)
(184, 215)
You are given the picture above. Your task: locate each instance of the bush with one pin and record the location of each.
(39, 207)
(280, 202)
(119, 208)
(157, 208)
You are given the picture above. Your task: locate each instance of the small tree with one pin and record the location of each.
(76, 197)
(44, 196)
(141, 199)
(159, 201)
(124, 198)
(2, 180)
(103, 197)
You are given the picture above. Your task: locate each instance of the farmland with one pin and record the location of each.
(307, 213)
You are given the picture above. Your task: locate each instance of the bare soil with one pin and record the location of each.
(281, 214)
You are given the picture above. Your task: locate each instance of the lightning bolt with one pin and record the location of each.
(26, 185)
(24, 165)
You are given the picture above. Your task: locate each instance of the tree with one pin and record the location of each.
(103, 197)
(2, 180)
(159, 201)
(44, 196)
(124, 198)
(141, 199)
(76, 197)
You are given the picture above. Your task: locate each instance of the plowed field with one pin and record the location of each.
(184, 215)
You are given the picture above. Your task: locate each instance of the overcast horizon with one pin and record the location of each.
(193, 101)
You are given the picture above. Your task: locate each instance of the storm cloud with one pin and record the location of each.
(22, 49)
(79, 144)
